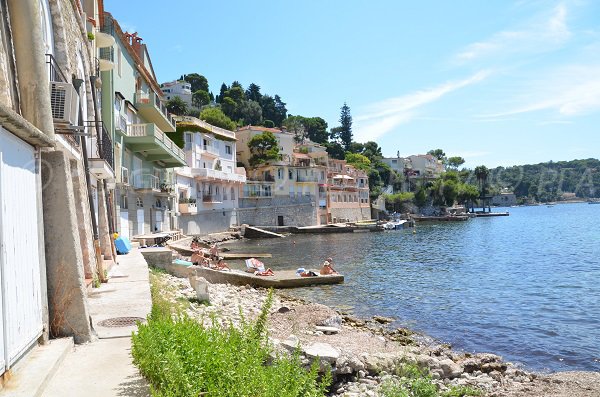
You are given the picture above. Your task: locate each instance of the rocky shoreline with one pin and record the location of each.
(364, 353)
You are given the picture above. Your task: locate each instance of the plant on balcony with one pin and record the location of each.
(218, 166)
(90, 36)
(166, 188)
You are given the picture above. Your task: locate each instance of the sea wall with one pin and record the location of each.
(350, 214)
(206, 222)
(266, 211)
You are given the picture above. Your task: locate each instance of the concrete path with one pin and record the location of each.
(104, 368)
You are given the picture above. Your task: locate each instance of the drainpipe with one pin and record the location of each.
(34, 84)
(77, 84)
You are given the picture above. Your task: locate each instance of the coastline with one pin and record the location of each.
(363, 353)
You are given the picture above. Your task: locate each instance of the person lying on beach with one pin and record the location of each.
(267, 272)
(302, 272)
(327, 267)
(222, 265)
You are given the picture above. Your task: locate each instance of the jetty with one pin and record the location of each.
(490, 214)
(281, 279)
(440, 218)
(255, 232)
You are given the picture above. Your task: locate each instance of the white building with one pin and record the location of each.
(180, 88)
(208, 187)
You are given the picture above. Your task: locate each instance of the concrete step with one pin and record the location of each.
(31, 375)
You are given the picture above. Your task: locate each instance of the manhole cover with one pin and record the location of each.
(120, 322)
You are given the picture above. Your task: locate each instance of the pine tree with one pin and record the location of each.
(346, 126)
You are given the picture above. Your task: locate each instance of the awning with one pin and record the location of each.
(342, 177)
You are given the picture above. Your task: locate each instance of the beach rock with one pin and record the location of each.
(450, 369)
(333, 321)
(200, 285)
(291, 343)
(327, 330)
(283, 309)
(383, 320)
(324, 351)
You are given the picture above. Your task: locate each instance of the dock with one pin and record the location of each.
(490, 214)
(442, 218)
(255, 232)
(281, 279)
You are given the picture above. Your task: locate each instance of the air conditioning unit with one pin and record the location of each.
(65, 103)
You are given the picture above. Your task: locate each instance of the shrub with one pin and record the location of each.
(180, 357)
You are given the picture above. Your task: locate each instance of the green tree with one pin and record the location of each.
(438, 153)
(335, 150)
(356, 147)
(200, 98)
(250, 112)
(229, 107)
(421, 197)
(359, 161)
(482, 173)
(316, 129)
(222, 91)
(268, 123)
(467, 193)
(372, 151)
(346, 126)
(177, 106)
(214, 116)
(280, 111)
(197, 81)
(263, 147)
(455, 162)
(253, 93)
(295, 125)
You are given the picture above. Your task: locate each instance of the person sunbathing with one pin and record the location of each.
(327, 267)
(222, 265)
(253, 265)
(267, 272)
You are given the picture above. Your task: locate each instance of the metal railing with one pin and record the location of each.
(211, 198)
(107, 152)
(56, 74)
(146, 181)
(150, 129)
(107, 53)
(210, 149)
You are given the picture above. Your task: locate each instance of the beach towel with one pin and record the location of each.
(254, 263)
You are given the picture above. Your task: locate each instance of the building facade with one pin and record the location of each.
(347, 193)
(286, 191)
(178, 88)
(208, 187)
(415, 168)
(135, 112)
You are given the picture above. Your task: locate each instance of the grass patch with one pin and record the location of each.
(414, 382)
(180, 357)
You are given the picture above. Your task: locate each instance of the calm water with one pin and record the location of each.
(526, 286)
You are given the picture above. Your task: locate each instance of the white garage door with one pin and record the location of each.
(20, 286)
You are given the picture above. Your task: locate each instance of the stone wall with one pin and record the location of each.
(206, 222)
(350, 214)
(297, 211)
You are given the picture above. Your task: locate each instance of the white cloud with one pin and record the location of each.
(384, 116)
(541, 35)
(568, 91)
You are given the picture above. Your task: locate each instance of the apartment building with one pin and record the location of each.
(285, 191)
(347, 193)
(208, 187)
(180, 88)
(415, 168)
(133, 107)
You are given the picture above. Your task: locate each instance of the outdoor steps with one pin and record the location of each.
(31, 375)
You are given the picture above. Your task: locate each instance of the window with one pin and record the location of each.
(227, 149)
(139, 203)
(280, 173)
(124, 202)
(232, 194)
(117, 104)
(46, 21)
(290, 174)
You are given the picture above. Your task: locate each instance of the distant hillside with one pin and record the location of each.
(549, 181)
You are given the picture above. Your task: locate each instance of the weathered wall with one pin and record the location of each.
(67, 297)
(298, 211)
(84, 221)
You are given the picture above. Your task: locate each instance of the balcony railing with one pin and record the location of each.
(210, 149)
(121, 123)
(307, 178)
(146, 181)
(150, 129)
(211, 198)
(216, 174)
(56, 74)
(153, 99)
(104, 147)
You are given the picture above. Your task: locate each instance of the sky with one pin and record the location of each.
(496, 82)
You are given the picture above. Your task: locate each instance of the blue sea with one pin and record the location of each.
(526, 286)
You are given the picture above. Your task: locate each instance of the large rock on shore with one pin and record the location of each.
(324, 351)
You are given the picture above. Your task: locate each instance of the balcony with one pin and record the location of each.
(210, 150)
(152, 109)
(148, 138)
(146, 182)
(209, 174)
(121, 124)
(102, 159)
